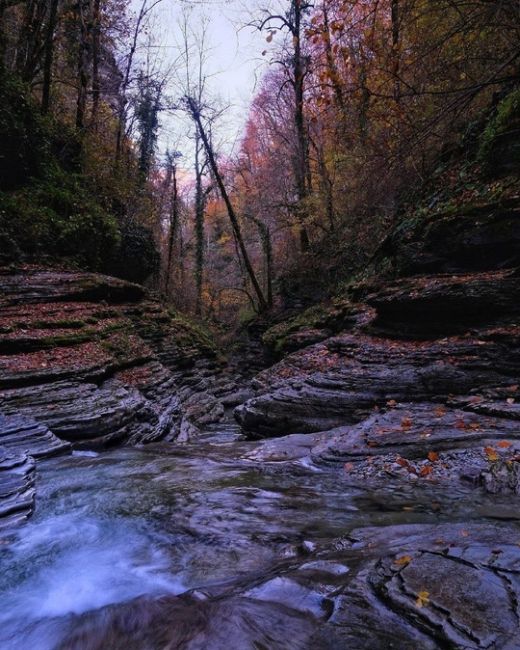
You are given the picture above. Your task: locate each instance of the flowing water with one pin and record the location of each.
(166, 519)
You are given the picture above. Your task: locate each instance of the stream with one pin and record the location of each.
(166, 519)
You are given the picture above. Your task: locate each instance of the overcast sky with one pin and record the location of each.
(235, 63)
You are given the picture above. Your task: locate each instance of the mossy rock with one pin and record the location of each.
(310, 326)
(499, 149)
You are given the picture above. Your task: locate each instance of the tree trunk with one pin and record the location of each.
(174, 222)
(331, 62)
(49, 57)
(262, 304)
(395, 49)
(96, 37)
(199, 227)
(301, 166)
(83, 52)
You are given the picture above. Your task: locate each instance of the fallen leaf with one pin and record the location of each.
(423, 598)
(504, 444)
(460, 424)
(403, 560)
(491, 454)
(391, 403)
(433, 456)
(425, 471)
(406, 423)
(439, 412)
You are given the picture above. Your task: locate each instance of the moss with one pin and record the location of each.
(328, 316)
(192, 334)
(56, 324)
(506, 120)
(62, 340)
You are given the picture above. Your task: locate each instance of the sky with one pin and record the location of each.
(235, 62)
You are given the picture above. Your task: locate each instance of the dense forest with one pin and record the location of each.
(363, 107)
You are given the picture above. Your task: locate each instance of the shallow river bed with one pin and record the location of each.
(167, 519)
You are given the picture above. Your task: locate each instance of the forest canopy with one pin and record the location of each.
(360, 104)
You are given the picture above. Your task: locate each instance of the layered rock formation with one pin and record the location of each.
(431, 366)
(90, 361)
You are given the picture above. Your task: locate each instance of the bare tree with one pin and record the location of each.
(291, 21)
(195, 112)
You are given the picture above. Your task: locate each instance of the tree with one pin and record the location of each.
(297, 66)
(195, 112)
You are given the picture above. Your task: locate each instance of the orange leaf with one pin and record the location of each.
(491, 453)
(425, 470)
(403, 560)
(439, 412)
(423, 598)
(504, 444)
(460, 424)
(433, 456)
(406, 423)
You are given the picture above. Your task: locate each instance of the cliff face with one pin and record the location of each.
(88, 361)
(421, 357)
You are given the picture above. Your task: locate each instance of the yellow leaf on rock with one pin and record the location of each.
(403, 560)
(423, 599)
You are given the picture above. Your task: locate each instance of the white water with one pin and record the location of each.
(69, 565)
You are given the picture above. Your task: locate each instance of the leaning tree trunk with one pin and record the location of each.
(195, 113)
(83, 53)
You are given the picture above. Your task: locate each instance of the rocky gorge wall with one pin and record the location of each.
(89, 361)
(412, 373)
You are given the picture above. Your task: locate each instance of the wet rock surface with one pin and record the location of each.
(17, 477)
(21, 441)
(423, 394)
(219, 547)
